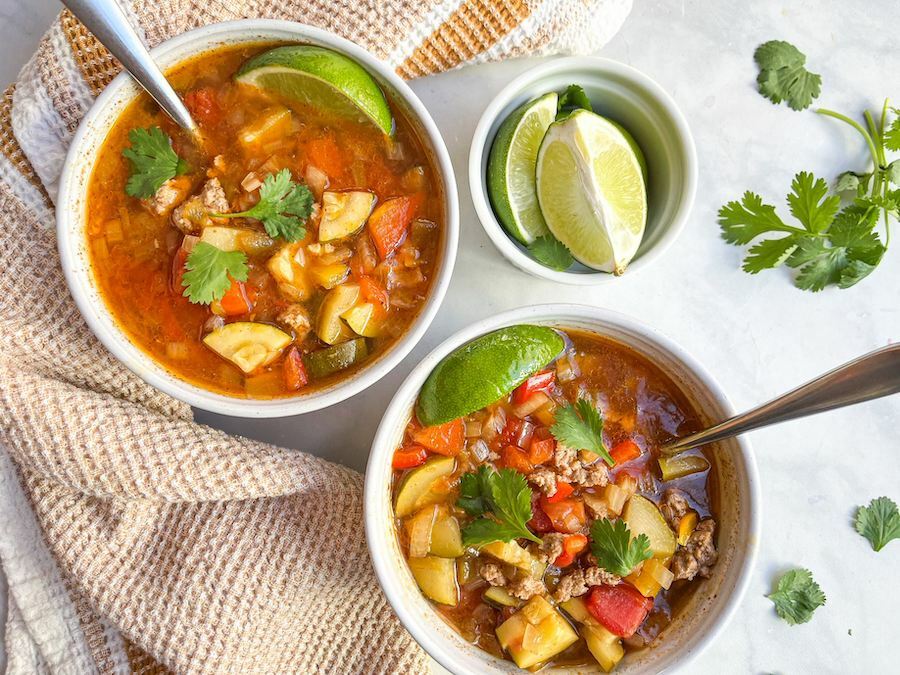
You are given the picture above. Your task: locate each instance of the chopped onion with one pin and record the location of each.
(662, 575)
(529, 405)
(317, 180)
(419, 528)
(526, 431)
(396, 150)
(615, 498)
(494, 424)
(212, 323)
(251, 182)
(480, 449)
(628, 483)
(473, 429)
(177, 350)
(566, 370)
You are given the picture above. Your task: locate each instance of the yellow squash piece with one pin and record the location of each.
(329, 276)
(513, 554)
(536, 633)
(361, 319)
(654, 576)
(418, 482)
(344, 213)
(686, 526)
(272, 123)
(604, 646)
(329, 326)
(643, 517)
(498, 596)
(446, 538)
(437, 578)
(236, 239)
(248, 345)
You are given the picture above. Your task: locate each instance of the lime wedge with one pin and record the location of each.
(591, 188)
(322, 78)
(484, 370)
(510, 172)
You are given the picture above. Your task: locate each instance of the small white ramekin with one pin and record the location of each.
(711, 606)
(71, 211)
(639, 104)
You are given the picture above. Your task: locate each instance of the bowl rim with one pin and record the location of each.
(383, 447)
(79, 278)
(478, 180)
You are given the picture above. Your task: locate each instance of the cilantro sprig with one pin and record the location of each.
(502, 500)
(614, 548)
(879, 522)
(551, 252)
(797, 596)
(573, 98)
(783, 76)
(208, 269)
(153, 161)
(283, 207)
(580, 426)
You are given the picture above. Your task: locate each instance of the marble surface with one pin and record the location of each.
(758, 335)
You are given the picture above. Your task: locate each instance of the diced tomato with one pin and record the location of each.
(541, 450)
(625, 451)
(389, 222)
(514, 457)
(295, 376)
(539, 522)
(409, 457)
(563, 490)
(324, 154)
(621, 609)
(567, 515)
(572, 546)
(542, 381)
(178, 261)
(372, 290)
(444, 439)
(236, 300)
(204, 106)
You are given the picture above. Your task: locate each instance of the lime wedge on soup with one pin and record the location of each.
(320, 77)
(510, 172)
(484, 370)
(592, 190)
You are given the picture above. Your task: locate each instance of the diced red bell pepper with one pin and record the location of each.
(204, 106)
(514, 457)
(572, 546)
(567, 515)
(295, 376)
(563, 490)
(620, 609)
(409, 457)
(237, 300)
(324, 154)
(389, 222)
(510, 430)
(444, 439)
(625, 451)
(539, 522)
(541, 450)
(541, 381)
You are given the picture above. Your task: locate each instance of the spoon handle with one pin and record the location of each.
(106, 20)
(871, 376)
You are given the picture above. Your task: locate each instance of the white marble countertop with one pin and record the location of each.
(758, 335)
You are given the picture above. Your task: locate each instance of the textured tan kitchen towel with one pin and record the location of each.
(133, 539)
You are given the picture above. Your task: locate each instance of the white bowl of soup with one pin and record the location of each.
(493, 526)
(288, 260)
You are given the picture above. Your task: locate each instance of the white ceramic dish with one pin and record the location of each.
(709, 609)
(639, 104)
(71, 217)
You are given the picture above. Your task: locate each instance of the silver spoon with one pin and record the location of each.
(869, 377)
(106, 20)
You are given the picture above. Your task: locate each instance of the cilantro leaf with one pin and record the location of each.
(783, 77)
(879, 522)
(892, 133)
(768, 254)
(572, 99)
(208, 270)
(153, 161)
(614, 548)
(283, 207)
(892, 172)
(743, 221)
(810, 204)
(475, 492)
(551, 252)
(797, 596)
(580, 427)
(509, 506)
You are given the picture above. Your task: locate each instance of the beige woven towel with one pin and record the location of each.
(133, 539)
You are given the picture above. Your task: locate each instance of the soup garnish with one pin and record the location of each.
(291, 247)
(543, 525)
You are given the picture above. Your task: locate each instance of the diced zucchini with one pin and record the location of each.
(329, 326)
(272, 123)
(418, 482)
(577, 609)
(498, 596)
(446, 539)
(436, 577)
(236, 239)
(536, 633)
(513, 554)
(329, 276)
(248, 345)
(361, 319)
(643, 517)
(682, 465)
(604, 646)
(344, 213)
(325, 362)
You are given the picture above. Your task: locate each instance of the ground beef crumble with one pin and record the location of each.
(544, 479)
(578, 582)
(573, 470)
(673, 506)
(699, 554)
